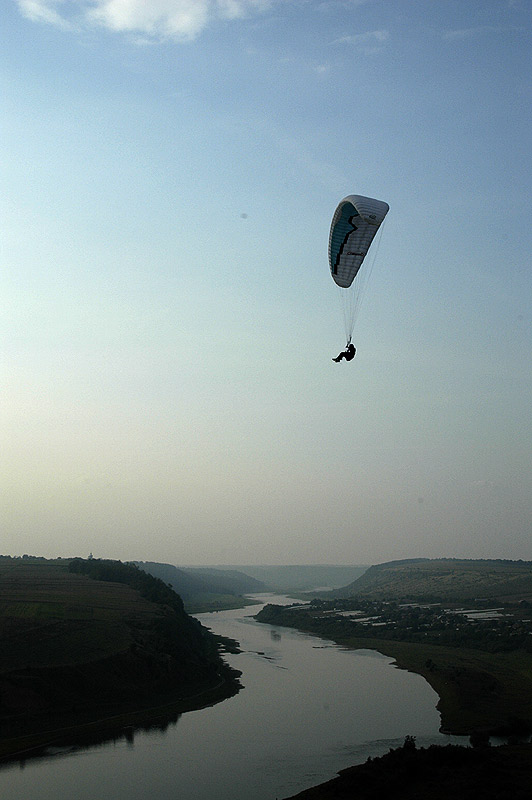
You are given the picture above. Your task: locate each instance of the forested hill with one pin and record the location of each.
(90, 639)
(205, 589)
(444, 579)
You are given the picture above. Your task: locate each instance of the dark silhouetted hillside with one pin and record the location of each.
(83, 639)
(204, 589)
(434, 773)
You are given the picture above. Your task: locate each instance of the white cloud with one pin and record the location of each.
(43, 11)
(369, 39)
(479, 30)
(183, 19)
(177, 19)
(235, 9)
(328, 4)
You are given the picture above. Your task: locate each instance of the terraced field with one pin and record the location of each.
(51, 617)
(76, 650)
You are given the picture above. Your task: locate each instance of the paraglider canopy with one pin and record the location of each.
(355, 223)
(354, 226)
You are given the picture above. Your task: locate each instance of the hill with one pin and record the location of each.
(203, 588)
(445, 579)
(228, 581)
(288, 578)
(84, 640)
(217, 587)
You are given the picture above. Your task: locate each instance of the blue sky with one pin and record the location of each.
(170, 170)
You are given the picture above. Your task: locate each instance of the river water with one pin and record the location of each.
(308, 709)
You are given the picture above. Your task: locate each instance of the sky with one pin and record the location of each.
(168, 319)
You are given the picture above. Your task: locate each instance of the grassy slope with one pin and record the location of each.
(50, 617)
(75, 649)
(446, 578)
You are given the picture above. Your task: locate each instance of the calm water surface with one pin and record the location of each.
(308, 709)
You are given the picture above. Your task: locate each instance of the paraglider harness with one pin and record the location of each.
(349, 353)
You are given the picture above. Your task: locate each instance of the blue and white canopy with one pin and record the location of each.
(354, 225)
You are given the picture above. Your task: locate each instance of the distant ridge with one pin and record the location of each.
(204, 589)
(301, 577)
(444, 579)
(212, 587)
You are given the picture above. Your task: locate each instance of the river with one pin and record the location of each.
(308, 709)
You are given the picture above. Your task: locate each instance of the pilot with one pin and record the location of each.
(349, 353)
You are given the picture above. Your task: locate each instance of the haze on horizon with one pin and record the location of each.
(168, 319)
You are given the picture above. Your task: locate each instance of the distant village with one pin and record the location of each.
(478, 625)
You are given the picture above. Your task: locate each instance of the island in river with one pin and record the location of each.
(90, 643)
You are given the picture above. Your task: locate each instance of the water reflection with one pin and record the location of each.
(76, 742)
(308, 709)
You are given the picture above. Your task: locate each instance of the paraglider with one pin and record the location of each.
(349, 353)
(354, 225)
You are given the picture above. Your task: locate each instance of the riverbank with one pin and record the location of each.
(105, 725)
(438, 773)
(289, 728)
(478, 691)
(90, 647)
